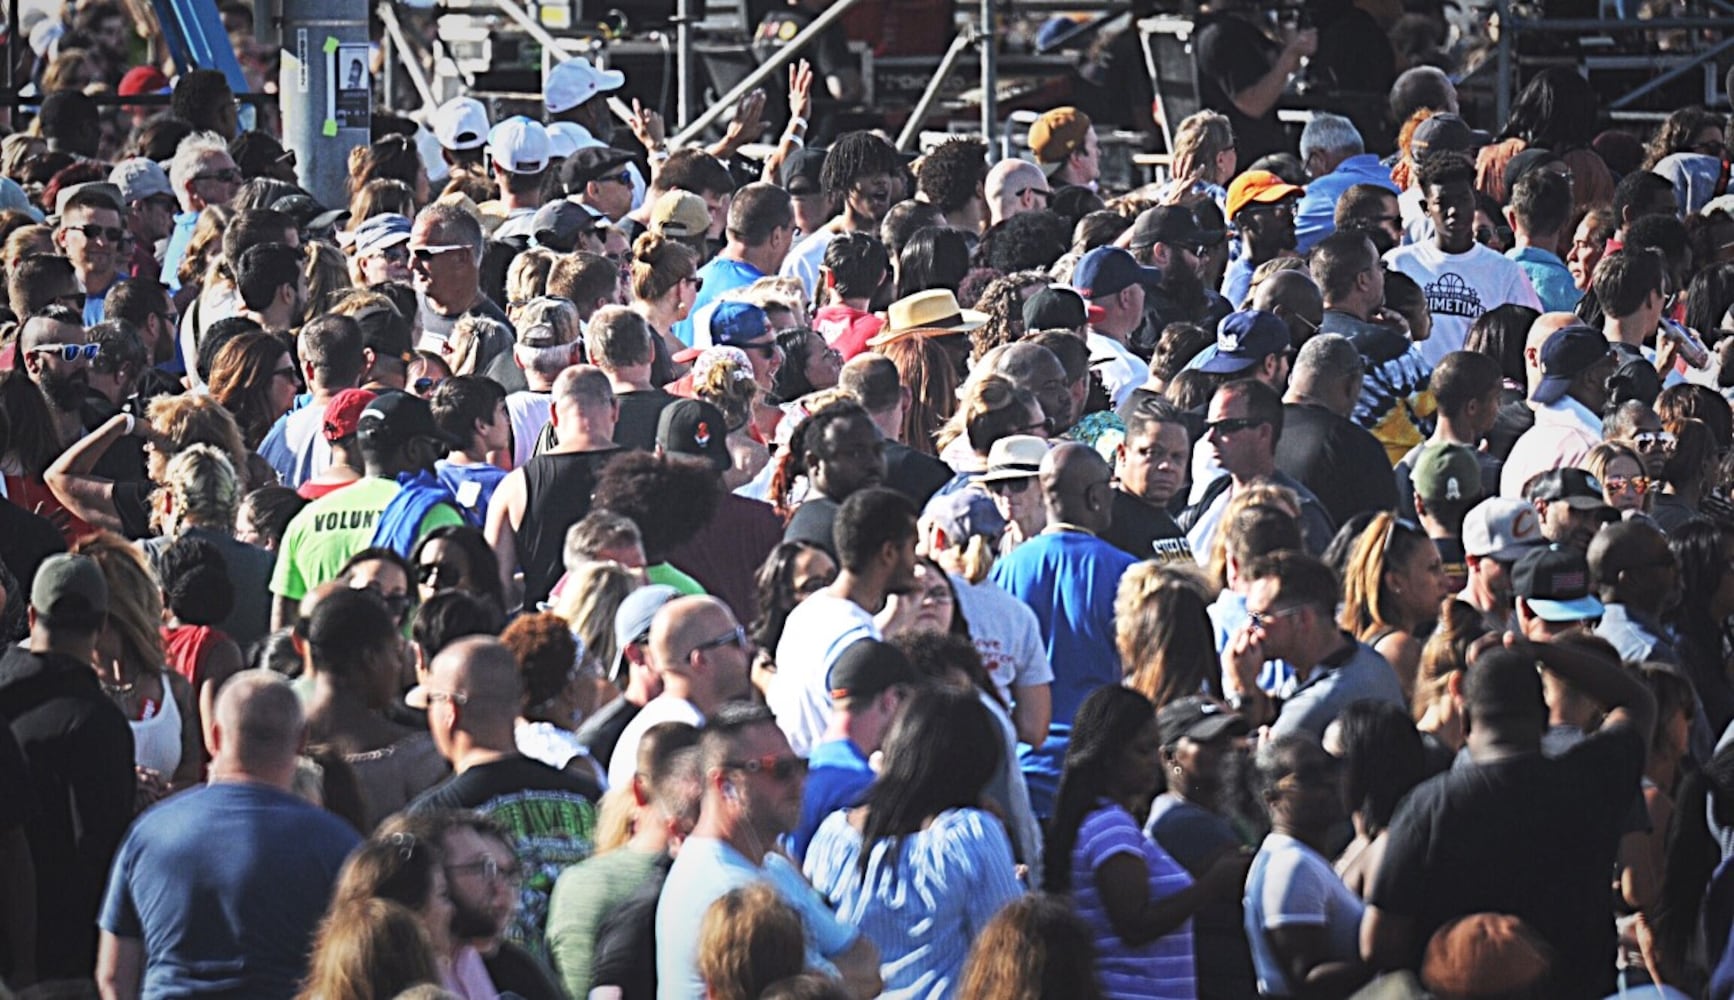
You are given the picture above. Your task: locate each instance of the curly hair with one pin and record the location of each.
(670, 497)
(1403, 173)
(802, 443)
(1003, 301)
(1677, 132)
(952, 174)
(546, 651)
(187, 419)
(1029, 241)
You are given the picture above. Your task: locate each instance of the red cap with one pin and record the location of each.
(142, 80)
(343, 413)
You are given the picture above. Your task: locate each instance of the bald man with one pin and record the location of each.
(219, 889)
(1516, 416)
(1296, 300)
(1015, 187)
(703, 658)
(1066, 574)
(473, 695)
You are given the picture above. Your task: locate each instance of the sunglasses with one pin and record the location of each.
(623, 177)
(1232, 425)
(230, 176)
(736, 637)
(397, 604)
(1010, 487)
(1042, 193)
(775, 765)
(1639, 485)
(1651, 440)
(288, 372)
(425, 255)
(69, 353)
(92, 231)
(425, 385)
(435, 572)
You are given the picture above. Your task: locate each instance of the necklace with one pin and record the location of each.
(116, 687)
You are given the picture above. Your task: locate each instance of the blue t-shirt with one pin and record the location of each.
(176, 249)
(837, 777)
(1163, 969)
(472, 485)
(719, 276)
(224, 885)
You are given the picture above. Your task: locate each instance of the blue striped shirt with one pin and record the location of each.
(1163, 969)
(923, 906)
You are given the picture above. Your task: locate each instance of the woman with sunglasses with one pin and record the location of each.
(1138, 901)
(921, 868)
(255, 379)
(1620, 470)
(457, 557)
(1392, 588)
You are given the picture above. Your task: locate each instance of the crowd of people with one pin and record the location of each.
(574, 571)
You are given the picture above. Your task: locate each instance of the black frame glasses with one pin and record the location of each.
(1233, 425)
(736, 637)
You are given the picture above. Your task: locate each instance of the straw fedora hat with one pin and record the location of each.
(934, 313)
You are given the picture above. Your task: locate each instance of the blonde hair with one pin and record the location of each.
(369, 949)
(527, 278)
(327, 276)
(18, 241)
(1369, 605)
(776, 292)
(187, 419)
(590, 600)
(202, 489)
(135, 599)
(749, 939)
(1163, 632)
(974, 557)
(658, 265)
(464, 347)
(1602, 455)
(1262, 491)
(613, 821)
(1199, 140)
(726, 382)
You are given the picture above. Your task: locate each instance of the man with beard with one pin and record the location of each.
(145, 304)
(862, 173)
(1496, 533)
(1261, 206)
(57, 355)
(89, 234)
(1168, 238)
(273, 286)
(483, 876)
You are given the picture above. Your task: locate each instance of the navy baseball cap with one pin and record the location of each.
(1570, 352)
(1555, 582)
(1107, 271)
(1245, 338)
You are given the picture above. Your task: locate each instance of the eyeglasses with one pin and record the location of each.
(1622, 484)
(1232, 425)
(434, 573)
(1652, 440)
(454, 697)
(229, 176)
(397, 604)
(490, 870)
(736, 637)
(1010, 487)
(1279, 208)
(1259, 619)
(426, 254)
(776, 766)
(69, 353)
(288, 372)
(1042, 426)
(92, 231)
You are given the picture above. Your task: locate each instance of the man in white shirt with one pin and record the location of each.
(1575, 365)
(702, 656)
(860, 172)
(875, 540)
(1113, 282)
(1461, 278)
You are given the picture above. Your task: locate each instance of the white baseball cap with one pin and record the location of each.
(1501, 528)
(460, 123)
(519, 145)
(566, 138)
(575, 81)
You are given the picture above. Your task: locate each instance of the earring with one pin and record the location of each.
(1177, 769)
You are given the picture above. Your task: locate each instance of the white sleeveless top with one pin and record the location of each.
(157, 740)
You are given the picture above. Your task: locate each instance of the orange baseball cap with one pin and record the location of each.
(1259, 186)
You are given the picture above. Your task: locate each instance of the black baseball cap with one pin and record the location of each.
(1055, 308)
(868, 667)
(1575, 487)
(694, 427)
(1197, 718)
(398, 417)
(800, 172)
(1555, 583)
(386, 332)
(588, 164)
(1173, 224)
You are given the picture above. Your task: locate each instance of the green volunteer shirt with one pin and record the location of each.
(321, 538)
(667, 575)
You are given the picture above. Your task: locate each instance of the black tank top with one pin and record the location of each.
(557, 496)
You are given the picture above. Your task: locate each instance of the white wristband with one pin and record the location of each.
(791, 137)
(131, 422)
(798, 120)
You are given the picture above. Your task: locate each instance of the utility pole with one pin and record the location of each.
(326, 91)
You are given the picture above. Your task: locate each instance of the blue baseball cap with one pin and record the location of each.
(1245, 338)
(1570, 352)
(1107, 271)
(725, 324)
(381, 232)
